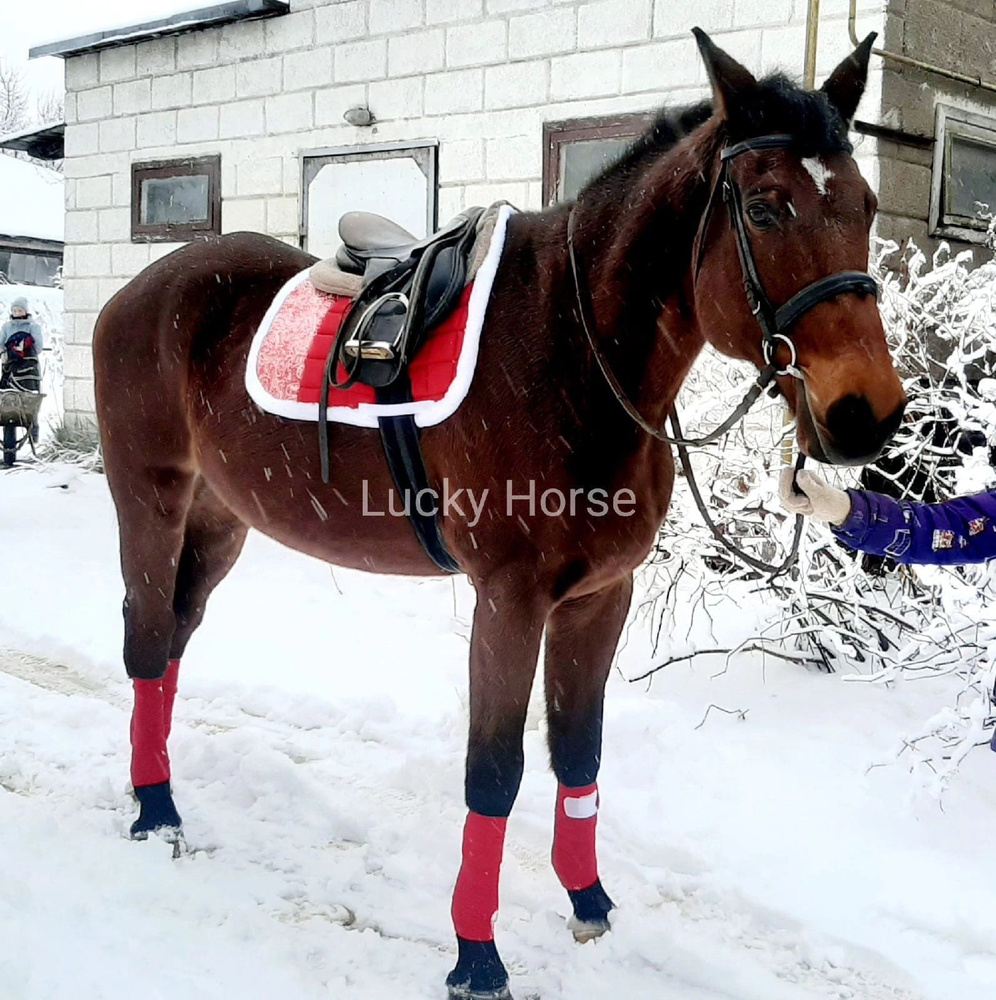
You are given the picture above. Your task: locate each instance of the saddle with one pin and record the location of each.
(407, 287)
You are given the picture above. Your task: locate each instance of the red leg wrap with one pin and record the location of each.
(149, 762)
(169, 695)
(475, 899)
(574, 837)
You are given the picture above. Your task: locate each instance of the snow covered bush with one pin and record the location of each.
(836, 610)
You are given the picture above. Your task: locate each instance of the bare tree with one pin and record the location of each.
(14, 100)
(50, 107)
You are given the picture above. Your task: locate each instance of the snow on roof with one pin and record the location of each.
(161, 17)
(32, 201)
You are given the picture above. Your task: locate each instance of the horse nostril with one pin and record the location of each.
(854, 430)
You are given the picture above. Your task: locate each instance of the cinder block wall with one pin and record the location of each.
(481, 76)
(954, 34)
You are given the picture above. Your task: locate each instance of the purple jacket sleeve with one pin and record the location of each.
(957, 531)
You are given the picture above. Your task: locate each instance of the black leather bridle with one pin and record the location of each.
(776, 323)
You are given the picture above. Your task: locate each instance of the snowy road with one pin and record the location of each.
(317, 774)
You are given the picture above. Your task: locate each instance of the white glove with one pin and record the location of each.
(818, 499)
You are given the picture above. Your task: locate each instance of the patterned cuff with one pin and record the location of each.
(854, 530)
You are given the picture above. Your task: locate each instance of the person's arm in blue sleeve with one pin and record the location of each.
(952, 533)
(36, 332)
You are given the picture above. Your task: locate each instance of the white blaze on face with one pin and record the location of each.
(817, 169)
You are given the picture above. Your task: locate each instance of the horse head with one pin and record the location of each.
(796, 225)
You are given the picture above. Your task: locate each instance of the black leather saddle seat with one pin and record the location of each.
(372, 243)
(364, 231)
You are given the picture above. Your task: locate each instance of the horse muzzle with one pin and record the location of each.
(849, 433)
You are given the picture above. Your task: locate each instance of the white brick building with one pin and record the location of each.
(462, 91)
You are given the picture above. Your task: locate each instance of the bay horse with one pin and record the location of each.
(193, 463)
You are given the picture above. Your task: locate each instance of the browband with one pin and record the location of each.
(777, 140)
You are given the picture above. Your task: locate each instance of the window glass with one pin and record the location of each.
(583, 160)
(578, 149)
(21, 267)
(971, 179)
(46, 270)
(175, 200)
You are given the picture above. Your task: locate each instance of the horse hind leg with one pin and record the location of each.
(212, 542)
(152, 505)
(580, 642)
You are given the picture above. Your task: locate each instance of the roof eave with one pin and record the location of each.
(46, 142)
(177, 24)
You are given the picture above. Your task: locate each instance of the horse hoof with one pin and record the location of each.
(462, 993)
(157, 814)
(587, 930)
(592, 907)
(479, 973)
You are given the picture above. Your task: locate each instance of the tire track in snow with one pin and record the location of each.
(56, 677)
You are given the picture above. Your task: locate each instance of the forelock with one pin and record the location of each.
(777, 105)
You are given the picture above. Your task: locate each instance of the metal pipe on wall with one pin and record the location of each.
(812, 33)
(949, 74)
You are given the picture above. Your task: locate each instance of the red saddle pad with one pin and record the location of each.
(288, 353)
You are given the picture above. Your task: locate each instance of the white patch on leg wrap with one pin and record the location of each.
(816, 169)
(582, 807)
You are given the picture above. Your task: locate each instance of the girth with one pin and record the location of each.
(377, 339)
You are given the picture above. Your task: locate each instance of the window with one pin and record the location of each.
(393, 179)
(175, 200)
(963, 191)
(575, 151)
(24, 267)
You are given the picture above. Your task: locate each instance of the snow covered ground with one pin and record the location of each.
(318, 756)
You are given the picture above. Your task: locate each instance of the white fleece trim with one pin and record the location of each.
(426, 412)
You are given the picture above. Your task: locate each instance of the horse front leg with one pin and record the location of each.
(581, 640)
(508, 624)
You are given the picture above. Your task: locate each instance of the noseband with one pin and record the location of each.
(776, 323)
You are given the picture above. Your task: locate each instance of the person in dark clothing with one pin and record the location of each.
(21, 344)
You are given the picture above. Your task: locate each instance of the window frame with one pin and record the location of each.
(425, 153)
(165, 232)
(557, 134)
(956, 123)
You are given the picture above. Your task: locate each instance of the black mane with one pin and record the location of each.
(776, 105)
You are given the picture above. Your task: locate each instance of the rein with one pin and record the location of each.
(776, 324)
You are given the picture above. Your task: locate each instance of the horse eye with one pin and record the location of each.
(759, 214)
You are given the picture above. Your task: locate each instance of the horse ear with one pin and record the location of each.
(730, 81)
(846, 83)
